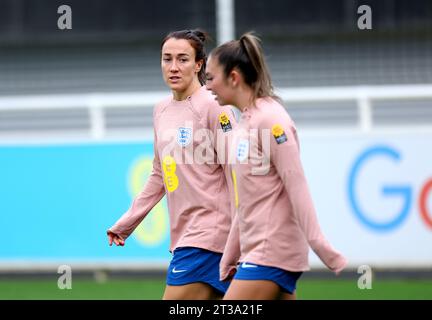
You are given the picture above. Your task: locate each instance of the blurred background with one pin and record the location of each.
(76, 137)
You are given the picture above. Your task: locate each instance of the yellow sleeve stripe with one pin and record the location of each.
(234, 178)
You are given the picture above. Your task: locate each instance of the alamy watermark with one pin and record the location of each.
(365, 280)
(364, 22)
(204, 146)
(64, 22)
(65, 280)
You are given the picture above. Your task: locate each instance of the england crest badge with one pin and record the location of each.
(184, 136)
(242, 150)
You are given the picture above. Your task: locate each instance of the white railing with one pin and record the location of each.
(97, 103)
(363, 95)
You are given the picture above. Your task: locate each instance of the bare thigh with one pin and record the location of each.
(192, 291)
(287, 296)
(252, 290)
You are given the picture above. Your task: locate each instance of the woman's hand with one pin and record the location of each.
(112, 237)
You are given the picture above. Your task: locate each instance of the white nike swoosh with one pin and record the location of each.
(177, 271)
(245, 265)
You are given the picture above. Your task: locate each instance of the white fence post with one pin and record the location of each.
(225, 24)
(365, 113)
(97, 119)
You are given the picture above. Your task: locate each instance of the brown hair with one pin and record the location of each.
(196, 39)
(246, 54)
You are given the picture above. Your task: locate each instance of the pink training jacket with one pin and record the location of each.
(189, 166)
(275, 220)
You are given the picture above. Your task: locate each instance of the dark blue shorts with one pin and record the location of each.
(285, 279)
(190, 265)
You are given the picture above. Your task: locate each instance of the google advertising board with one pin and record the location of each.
(374, 196)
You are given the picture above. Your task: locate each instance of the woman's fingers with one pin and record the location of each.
(116, 241)
(112, 237)
(121, 240)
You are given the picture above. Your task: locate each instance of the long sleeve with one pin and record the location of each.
(231, 254)
(285, 156)
(151, 194)
(222, 123)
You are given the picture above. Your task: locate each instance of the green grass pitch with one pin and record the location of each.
(141, 288)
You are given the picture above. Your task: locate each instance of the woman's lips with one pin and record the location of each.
(174, 78)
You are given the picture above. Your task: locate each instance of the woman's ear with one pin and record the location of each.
(198, 66)
(234, 78)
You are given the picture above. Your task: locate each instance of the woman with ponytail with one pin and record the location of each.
(189, 167)
(275, 220)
